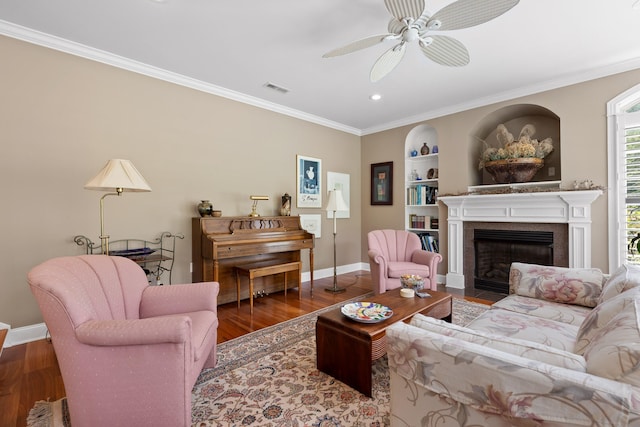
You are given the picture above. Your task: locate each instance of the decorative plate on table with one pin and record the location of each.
(366, 312)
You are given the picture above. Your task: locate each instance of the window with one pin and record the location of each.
(631, 182)
(624, 178)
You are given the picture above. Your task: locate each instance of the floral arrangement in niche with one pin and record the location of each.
(524, 147)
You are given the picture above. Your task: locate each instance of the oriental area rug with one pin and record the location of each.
(269, 378)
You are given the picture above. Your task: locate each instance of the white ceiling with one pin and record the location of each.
(234, 47)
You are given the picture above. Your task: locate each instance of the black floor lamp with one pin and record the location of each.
(335, 203)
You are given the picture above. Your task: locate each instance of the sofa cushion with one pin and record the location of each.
(614, 352)
(601, 316)
(624, 278)
(565, 313)
(516, 325)
(528, 349)
(580, 286)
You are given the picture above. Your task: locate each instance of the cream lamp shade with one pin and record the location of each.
(336, 202)
(118, 174)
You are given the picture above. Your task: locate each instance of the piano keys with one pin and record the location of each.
(219, 243)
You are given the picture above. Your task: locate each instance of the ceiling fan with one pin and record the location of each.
(411, 22)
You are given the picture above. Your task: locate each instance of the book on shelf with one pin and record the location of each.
(418, 221)
(429, 242)
(422, 194)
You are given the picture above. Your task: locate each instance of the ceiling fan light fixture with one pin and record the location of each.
(411, 21)
(375, 97)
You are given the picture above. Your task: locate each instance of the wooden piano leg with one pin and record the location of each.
(285, 285)
(238, 287)
(311, 268)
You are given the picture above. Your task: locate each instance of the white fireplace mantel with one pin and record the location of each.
(568, 207)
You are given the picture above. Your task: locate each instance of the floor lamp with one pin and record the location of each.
(335, 203)
(116, 176)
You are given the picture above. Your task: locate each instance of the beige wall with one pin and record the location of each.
(62, 117)
(583, 134)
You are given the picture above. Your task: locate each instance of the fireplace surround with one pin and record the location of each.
(572, 208)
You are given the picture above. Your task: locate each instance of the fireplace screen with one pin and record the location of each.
(495, 250)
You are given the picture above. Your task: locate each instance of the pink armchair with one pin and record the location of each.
(129, 353)
(393, 253)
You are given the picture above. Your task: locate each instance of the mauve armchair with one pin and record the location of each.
(393, 253)
(129, 353)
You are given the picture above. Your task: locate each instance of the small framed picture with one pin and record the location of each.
(382, 183)
(312, 223)
(309, 185)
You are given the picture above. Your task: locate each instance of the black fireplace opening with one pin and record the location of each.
(495, 250)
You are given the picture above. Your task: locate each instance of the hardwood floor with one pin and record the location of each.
(30, 372)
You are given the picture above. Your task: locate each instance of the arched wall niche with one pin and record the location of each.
(419, 135)
(514, 117)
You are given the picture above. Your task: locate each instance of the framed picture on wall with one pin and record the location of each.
(339, 181)
(309, 185)
(382, 183)
(312, 223)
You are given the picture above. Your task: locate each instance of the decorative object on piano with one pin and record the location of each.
(312, 223)
(216, 213)
(285, 207)
(382, 183)
(515, 161)
(309, 185)
(340, 181)
(334, 204)
(254, 206)
(116, 176)
(205, 208)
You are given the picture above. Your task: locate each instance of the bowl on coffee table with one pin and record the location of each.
(412, 281)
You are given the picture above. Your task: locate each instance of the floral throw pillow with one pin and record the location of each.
(580, 286)
(601, 315)
(615, 350)
(624, 278)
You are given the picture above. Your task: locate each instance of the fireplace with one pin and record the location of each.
(567, 214)
(495, 250)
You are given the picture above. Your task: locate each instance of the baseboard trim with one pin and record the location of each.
(25, 334)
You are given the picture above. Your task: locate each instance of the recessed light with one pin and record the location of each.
(375, 97)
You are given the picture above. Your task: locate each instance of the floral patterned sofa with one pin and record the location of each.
(563, 349)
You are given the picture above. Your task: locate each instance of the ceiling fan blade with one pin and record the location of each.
(357, 45)
(468, 13)
(405, 8)
(445, 50)
(387, 62)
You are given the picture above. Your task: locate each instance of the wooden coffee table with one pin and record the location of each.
(345, 349)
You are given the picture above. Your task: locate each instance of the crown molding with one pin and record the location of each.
(568, 80)
(53, 42)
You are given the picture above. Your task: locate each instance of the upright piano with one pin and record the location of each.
(219, 243)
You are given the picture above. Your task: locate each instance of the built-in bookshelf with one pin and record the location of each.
(421, 184)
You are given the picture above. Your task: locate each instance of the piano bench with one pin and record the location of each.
(266, 268)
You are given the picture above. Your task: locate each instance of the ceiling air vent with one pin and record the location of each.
(277, 88)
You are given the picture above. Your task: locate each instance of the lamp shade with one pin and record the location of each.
(118, 173)
(336, 202)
